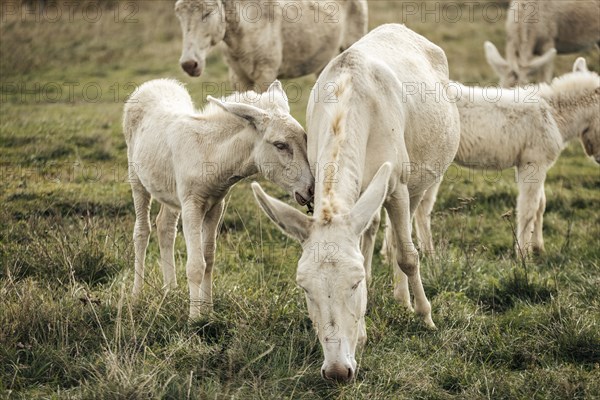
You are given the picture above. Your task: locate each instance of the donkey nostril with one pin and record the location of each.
(190, 66)
(350, 373)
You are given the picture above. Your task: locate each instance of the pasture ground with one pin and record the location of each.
(68, 327)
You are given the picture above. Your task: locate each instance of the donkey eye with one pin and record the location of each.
(356, 285)
(281, 146)
(586, 130)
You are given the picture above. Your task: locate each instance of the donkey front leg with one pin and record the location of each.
(210, 228)
(166, 225)
(193, 218)
(407, 257)
(538, 236)
(388, 252)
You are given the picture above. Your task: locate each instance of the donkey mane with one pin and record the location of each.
(330, 206)
(572, 89)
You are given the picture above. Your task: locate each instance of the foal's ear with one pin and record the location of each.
(371, 200)
(252, 114)
(496, 61)
(291, 221)
(580, 65)
(277, 95)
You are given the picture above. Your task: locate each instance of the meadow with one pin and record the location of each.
(507, 328)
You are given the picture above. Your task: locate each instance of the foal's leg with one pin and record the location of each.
(538, 236)
(423, 219)
(192, 214)
(367, 244)
(141, 230)
(398, 206)
(166, 225)
(531, 188)
(209, 233)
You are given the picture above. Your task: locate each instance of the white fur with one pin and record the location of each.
(188, 160)
(529, 135)
(360, 146)
(536, 30)
(266, 40)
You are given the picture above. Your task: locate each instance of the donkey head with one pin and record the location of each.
(280, 149)
(331, 271)
(513, 73)
(203, 26)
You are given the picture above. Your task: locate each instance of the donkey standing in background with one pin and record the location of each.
(528, 134)
(536, 30)
(364, 143)
(188, 161)
(264, 41)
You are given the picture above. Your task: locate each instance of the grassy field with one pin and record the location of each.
(68, 326)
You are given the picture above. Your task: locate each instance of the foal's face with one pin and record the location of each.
(281, 155)
(590, 136)
(203, 27)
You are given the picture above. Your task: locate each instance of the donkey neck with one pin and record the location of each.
(234, 143)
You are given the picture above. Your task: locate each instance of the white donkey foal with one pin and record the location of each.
(188, 160)
(529, 134)
(381, 123)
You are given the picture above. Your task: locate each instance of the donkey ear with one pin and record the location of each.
(496, 61)
(580, 65)
(277, 95)
(543, 60)
(371, 200)
(291, 221)
(252, 114)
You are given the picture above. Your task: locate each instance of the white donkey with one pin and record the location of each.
(268, 40)
(188, 160)
(527, 130)
(536, 30)
(382, 124)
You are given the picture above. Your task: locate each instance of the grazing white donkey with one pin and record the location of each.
(268, 40)
(381, 124)
(188, 160)
(536, 30)
(527, 130)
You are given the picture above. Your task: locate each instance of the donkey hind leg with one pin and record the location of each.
(398, 206)
(209, 233)
(141, 232)
(531, 189)
(166, 226)
(367, 244)
(423, 219)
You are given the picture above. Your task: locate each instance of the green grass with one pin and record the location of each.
(69, 328)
